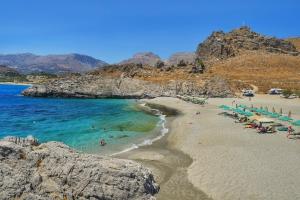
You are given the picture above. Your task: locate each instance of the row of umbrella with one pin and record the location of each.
(261, 111)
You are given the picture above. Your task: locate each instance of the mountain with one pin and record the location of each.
(186, 57)
(28, 63)
(222, 45)
(8, 74)
(144, 58)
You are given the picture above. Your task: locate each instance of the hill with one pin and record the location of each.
(186, 57)
(28, 63)
(143, 58)
(222, 45)
(8, 74)
(264, 70)
(295, 42)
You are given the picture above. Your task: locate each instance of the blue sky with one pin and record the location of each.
(113, 30)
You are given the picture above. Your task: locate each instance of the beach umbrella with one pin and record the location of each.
(274, 115)
(296, 123)
(248, 114)
(227, 108)
(285, 118)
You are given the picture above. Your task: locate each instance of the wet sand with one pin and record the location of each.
(169, 167)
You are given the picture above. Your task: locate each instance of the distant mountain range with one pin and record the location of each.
(28, 63)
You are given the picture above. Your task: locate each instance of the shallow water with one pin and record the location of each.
(80, 123)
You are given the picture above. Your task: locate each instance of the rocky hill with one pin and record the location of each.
(144, 58)
(28, 63)
(222, 45)
(54, 171)
(295, 41)
(8, 74)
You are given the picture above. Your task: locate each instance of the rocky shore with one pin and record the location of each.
(54, 171)
(95, 86)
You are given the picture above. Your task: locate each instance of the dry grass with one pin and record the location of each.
(262, 69)
(296, 42)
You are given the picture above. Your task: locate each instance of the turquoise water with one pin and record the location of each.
(79, 123)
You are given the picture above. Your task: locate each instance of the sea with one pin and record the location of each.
(79, 123)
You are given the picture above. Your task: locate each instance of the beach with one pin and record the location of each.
(214, 157)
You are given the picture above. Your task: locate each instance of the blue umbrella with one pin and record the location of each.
(285, 118)
(296, 123)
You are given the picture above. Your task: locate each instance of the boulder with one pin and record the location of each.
(54, 171)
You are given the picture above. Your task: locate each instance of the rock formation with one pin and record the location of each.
(222, 45)
(186, 57)
(92, 86)
(54, 171)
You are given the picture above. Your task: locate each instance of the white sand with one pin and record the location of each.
(230, 162)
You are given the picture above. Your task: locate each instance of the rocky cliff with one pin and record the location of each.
(96, 86)
(54, 171)
(222, 45)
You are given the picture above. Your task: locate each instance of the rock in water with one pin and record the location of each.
(54, 171)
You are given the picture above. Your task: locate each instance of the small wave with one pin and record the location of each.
(146, 142)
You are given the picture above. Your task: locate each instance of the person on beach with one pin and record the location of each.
(290, 130)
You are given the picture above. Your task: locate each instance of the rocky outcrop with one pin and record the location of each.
(144, 58)
(54, 171)
(217, 87)
(95, 86)
(222, 45)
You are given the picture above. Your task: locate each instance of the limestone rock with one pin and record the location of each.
(54, 171)
(95, 86)
(224, 45)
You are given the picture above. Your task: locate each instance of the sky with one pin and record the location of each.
(113, 30)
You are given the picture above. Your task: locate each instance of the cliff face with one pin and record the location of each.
(91, 86)
(222, 45)
(55, 171)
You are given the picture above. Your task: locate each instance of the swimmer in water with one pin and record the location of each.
(102, 142)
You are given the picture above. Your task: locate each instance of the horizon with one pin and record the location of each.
(115, 30)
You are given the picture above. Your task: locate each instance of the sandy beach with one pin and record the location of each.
(227, 161)
(13, 83)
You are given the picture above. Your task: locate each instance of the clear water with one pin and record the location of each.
(79, 123)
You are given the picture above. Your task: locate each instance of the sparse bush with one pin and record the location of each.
(160, 64)
(286, 93)
(181, 63)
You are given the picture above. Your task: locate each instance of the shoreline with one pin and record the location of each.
(168, 163)
(13, 83)
(226, 160)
